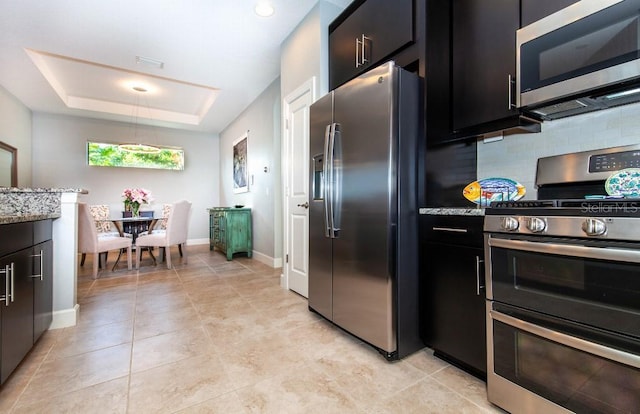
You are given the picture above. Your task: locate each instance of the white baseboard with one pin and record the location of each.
(268, 260)
(194, 242)
(65, 318)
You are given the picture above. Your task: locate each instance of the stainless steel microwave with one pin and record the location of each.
(582, 58)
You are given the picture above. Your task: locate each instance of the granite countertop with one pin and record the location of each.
(42, 190)
(452, 211)
(19, 218)
(32, 204)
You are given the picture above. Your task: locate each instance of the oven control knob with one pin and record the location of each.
(594, 227)
(509, 223)
(536, 224)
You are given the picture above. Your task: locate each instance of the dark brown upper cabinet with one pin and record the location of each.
(484, 67)
(367, 33)
(484, 64)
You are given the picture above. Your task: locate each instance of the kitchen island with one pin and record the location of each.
(60, 205)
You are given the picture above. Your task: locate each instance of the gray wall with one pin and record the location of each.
(59, 160)
(262, 120)
(516, 156)
(305, 53)
(15, 130)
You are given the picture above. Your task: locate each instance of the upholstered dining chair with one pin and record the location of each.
(105, 228)
(175, 233)
(89, 242)
(161, 226)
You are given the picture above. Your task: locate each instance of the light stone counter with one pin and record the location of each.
(22, 202)
(452, 211)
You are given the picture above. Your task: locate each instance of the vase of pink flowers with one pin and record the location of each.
(134, 197)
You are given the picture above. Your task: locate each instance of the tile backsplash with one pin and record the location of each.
(516, 156)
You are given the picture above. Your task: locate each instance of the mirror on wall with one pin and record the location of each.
(8, 165)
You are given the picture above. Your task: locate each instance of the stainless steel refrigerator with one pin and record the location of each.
(363, 256)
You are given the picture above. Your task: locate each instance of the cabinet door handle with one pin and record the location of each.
(41, 256)
(305, 204)
(479, 263)
(8, 283)
(364, 50)
(361, 51)
(7, 273)
(512, 81)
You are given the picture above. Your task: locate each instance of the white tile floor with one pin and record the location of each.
(216, 336)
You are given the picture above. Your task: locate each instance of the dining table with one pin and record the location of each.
(137, 225)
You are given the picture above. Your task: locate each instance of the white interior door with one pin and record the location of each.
(296, 177)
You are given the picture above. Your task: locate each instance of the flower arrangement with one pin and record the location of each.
(134, 197)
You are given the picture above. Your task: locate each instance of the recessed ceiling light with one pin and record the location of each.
(264, 9)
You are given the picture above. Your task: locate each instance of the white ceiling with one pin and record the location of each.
(78, 57)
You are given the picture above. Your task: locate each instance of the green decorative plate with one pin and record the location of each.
(624, 183)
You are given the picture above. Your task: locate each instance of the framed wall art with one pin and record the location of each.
(240, 166)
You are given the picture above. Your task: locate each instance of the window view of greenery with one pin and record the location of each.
(134, 155)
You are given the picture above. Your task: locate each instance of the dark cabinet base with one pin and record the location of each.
(26, 289)
(452, 292)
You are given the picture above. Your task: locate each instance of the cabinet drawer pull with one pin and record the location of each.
(450, 229)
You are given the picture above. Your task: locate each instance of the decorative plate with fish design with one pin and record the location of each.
(485, 191)
(624, 182)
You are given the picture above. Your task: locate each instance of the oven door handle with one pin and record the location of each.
(609, 253)
(570, 341)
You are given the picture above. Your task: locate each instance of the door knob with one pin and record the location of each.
(305, 205)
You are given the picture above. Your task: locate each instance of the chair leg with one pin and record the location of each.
(84, 256)
(138, 253)
(180, 249)
(103, 259)
(167, 254)
(96, 259)
(184, 259)
(150, 250)
(113, 269)
(128, 257)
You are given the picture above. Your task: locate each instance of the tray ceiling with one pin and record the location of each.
(80, 57)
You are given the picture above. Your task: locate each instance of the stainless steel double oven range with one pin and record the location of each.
(563, 291)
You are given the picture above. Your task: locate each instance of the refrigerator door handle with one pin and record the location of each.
(326, 176)
(336, 180)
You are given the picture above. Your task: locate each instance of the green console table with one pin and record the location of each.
(230, 230)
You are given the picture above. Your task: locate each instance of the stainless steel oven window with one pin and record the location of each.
(595, 283)
(566, 375)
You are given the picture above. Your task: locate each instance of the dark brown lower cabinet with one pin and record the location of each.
(26, 289)
(16, 310)
(452, 291)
